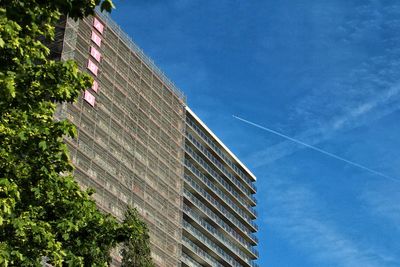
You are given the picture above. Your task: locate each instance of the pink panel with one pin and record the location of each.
(98, 25)
(95, 86)
(96, 38)
(89, 98)
(92, 67)
(95, 53)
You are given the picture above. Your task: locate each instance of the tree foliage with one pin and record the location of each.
(43, 212)
(136, 249)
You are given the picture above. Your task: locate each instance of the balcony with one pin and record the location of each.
(215, 175)
(201, 253)
(217, 191)
(210, 244)
(221, 168)
(219, 236)
(219, 221)
(215, 148)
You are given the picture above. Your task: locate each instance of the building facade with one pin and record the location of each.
(134, 145)
(218, 206)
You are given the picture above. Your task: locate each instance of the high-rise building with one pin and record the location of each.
(139, 145)
(130, 131)
(218, 206)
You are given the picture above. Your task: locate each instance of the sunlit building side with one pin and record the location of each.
(219, 203)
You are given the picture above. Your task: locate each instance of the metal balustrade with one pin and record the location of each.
(219, 207)
(205, 180)
(207, 257)
(214, 247)
(220, 237)
(229, 230)
(217, 163)
(229, 175)
(220, 153)
(223, 183)
(199, 146)
(217, 219)
(189, 261)
(214, 174)
(219, 193)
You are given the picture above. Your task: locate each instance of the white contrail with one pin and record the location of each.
(317, 149)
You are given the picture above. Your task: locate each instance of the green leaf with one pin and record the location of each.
(40, 201)
(65, 236)
(22, 136)
(107, 5)
(43, 145)
(9, 84)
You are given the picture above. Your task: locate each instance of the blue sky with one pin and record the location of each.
(325, 72)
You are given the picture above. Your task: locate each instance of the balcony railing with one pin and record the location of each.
(218, 220)
(214, 174)
(196, 249)
(214, 232)
(220, 153)
(215, 204)
(199, 146)
(210, 244)
(215, 189)
(189, 261)
(204, 177)
(207, 182)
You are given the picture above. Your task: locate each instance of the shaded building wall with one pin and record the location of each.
(130, 132)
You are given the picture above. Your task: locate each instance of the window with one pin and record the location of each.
(96, 38)
(92, 67)
(98, 25)
(95, 53)
(89, 98)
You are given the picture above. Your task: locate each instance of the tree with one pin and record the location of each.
(136, 249)
(43, 211)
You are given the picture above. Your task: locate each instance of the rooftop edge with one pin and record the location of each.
(220, 142)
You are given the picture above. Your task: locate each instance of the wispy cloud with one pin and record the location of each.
(368, 92)
(297, 212)
(364, 113)
(384, 206)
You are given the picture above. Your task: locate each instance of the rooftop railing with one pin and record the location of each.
(139, 52)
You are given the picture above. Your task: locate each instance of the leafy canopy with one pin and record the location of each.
(43, 212)
(136, 250)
